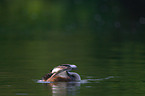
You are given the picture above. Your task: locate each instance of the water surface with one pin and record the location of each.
(112, 70)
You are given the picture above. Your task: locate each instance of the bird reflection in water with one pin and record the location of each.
(64, 88)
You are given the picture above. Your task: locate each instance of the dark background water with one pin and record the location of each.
(104, 38)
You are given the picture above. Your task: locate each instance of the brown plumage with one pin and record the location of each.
(59, 79)
(61, 74)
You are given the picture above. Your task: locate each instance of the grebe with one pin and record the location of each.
(62, 73)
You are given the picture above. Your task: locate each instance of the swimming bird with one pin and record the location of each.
(62, 73)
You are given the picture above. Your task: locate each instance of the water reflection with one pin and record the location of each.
(64, 88)
(71, 88)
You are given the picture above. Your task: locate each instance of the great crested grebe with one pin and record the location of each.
(62, 73)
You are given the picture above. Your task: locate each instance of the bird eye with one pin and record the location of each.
(51, 70)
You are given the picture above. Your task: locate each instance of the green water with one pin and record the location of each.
(105, 39)
(115, 69)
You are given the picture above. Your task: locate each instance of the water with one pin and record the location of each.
(117, 69)
(72, 88)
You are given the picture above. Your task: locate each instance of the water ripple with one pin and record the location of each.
(90, 80)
